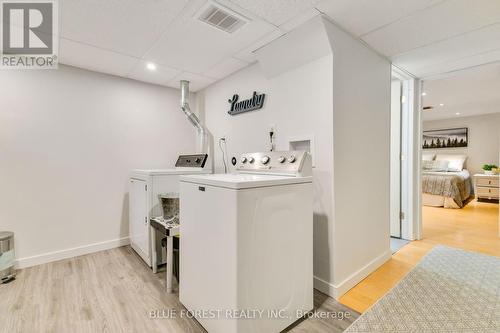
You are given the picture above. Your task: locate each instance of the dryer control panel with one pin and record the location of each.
(191, 161)
(290, 163)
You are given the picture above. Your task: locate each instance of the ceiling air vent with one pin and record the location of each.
(221, 18)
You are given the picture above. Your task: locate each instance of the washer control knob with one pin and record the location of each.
(281, 159)
(291, 159)
(251, 159)
(264, 159)
(243, 159)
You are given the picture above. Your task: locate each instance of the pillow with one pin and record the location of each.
(426, 164)
(428, 156)
(455, 162)
(440, 166)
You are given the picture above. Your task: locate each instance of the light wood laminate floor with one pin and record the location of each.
(473, 228)
(113, 291)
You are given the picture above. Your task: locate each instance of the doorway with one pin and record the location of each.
(461, 108)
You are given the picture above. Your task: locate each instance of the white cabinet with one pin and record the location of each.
(138, 218)
(487, 186)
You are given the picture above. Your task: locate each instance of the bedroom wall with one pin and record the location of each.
(68, 140)
(484, 136)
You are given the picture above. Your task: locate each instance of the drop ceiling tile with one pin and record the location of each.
(247, 54)
(125, 26)
(445, 53)
(276, 12)
(161, 75)
(196, 46)
(450, 67)
(93, 58)
(362, 16)
(300, 19)
(225, 68)
(446, 20)
(196, 81)
(470, 92)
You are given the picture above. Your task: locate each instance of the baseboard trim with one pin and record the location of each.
(70, 253)
(336, 291)
(324, 286)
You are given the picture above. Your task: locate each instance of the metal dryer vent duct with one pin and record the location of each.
(193, 119)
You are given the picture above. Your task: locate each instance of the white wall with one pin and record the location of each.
(361, 128)
(344, 101)
(484, 136)
(68, 139)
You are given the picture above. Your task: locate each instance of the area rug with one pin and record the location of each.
(450, 290)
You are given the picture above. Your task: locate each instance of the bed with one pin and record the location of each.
(445, 183)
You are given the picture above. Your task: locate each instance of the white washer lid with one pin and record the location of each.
(242, 181)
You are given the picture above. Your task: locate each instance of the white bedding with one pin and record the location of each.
(464, 174)
(435, 200)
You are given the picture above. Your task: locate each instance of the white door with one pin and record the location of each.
(138, 224)
(405, 155)
(396, 89)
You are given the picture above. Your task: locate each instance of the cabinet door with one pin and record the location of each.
(138, 219)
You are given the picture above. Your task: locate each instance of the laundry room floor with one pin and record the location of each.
(114, 291)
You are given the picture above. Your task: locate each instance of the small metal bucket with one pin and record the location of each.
(7, 272)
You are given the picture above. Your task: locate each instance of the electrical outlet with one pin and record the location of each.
(272, 135)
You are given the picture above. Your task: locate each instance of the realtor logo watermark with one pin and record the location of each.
(28, 36)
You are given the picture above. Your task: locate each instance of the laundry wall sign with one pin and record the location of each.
(254, 103)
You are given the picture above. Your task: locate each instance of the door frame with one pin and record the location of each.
(396, 194)
(411, 194)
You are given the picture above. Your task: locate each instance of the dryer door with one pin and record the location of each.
(138, 218)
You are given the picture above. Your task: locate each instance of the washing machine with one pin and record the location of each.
(246, 263)
(144, 188)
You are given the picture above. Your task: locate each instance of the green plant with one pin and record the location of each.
(489, 167)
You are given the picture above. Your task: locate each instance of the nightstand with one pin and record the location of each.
(487, 186)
